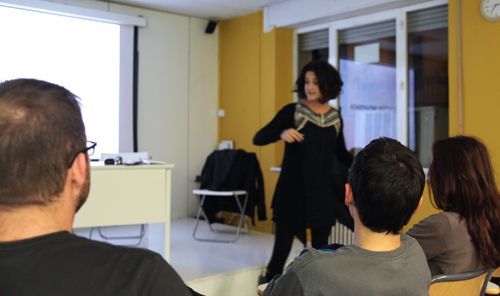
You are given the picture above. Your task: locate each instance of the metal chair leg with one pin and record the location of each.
(241, 223)
(140, 237)
(242, 213)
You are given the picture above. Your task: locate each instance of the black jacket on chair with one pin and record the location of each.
(228, 170)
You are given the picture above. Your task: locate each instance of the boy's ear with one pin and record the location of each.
(348, 199)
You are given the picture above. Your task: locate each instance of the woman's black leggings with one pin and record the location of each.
(283, 241)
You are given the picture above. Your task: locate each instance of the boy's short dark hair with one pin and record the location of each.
(387, 182)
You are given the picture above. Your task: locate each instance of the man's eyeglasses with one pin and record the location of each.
(89, 149)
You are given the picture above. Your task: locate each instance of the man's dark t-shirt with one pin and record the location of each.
(62, 264)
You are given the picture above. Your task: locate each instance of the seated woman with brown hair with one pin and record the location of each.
(465, 236)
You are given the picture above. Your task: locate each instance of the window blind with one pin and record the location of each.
(367, 32)
(313, 40)
(428, 19)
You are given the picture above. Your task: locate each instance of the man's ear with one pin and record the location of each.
(348, 199)
(78, 170)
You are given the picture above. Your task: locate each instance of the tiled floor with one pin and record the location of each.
(193, 259)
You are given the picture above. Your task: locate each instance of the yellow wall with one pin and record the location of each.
(425, 210)
(255, 82)
(480, 83)
(474, 47)
(256, 79)
(240, 79)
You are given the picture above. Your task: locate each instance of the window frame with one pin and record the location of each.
(399, 15)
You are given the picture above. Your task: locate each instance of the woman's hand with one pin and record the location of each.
(291, 135)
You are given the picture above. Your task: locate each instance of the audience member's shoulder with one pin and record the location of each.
(439, 222)
(147, 266)
(451, 217)
(439, 216)
(310, 257)
(97, 248)
(411, 245)
(449, 222)
(408, 240)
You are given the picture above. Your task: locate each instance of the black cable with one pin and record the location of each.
(135, 88)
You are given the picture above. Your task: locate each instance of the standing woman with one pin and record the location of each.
(466, 235)
(309, 192)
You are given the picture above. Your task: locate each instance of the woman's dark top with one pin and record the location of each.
(310, 188)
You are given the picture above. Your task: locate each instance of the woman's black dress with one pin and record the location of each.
(310, 188)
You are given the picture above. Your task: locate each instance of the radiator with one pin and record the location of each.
(341, 235)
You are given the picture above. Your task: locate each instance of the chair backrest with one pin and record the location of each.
(466, 284)
(492, 287)
(261, 288)
(496, 273)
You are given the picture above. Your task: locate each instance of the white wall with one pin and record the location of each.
(178, 88)
(203, 102)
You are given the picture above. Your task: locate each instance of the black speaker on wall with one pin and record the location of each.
(211, 26)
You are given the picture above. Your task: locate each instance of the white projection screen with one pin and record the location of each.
(92, 59)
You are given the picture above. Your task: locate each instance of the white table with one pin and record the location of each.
(128, 195)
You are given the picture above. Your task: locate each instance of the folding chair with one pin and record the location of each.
(462, 284)
(126, 158)
(139, 237)
(492, 289)
(261, 288)
(202, 194)
(231, 181)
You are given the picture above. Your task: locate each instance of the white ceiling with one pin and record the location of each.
(209, 9)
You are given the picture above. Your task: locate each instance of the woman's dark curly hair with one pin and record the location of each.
(328, 77)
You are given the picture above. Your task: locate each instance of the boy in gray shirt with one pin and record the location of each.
(384, 189)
